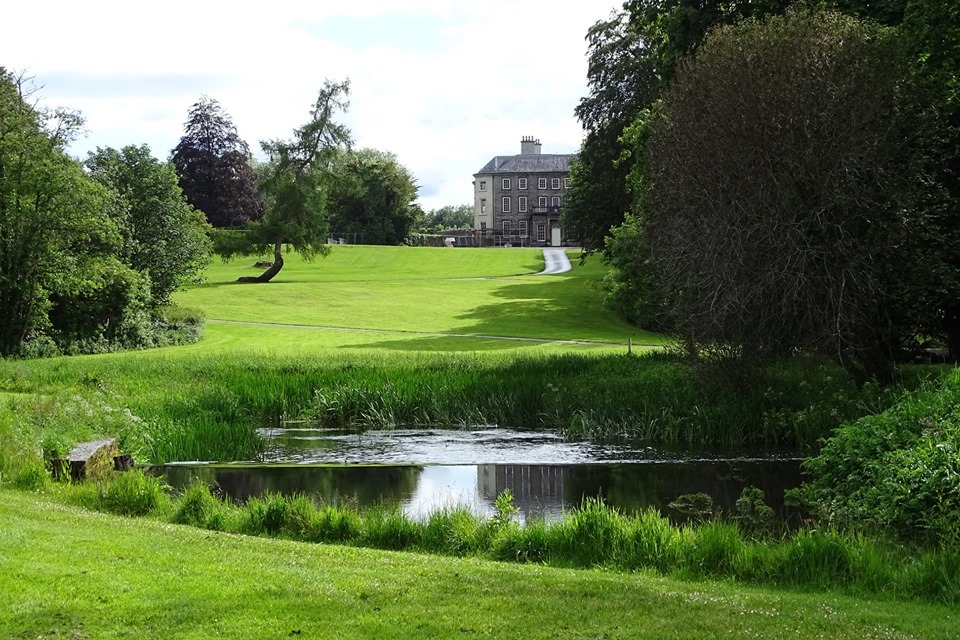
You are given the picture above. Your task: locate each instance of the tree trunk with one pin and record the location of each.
(267, 275)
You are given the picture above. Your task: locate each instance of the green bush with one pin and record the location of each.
(896, 472)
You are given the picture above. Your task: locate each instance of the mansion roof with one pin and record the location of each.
(528, 163)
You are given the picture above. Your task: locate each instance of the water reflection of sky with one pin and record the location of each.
(422, 471)
(443, 487)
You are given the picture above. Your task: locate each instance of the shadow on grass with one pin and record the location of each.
(544, 308)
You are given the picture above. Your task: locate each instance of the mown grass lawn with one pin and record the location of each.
(68, 573)
(483, 292)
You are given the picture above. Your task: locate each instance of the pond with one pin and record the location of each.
(424, 470)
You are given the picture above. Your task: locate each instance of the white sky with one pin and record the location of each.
(444, 84)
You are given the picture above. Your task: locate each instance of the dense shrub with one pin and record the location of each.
(898, 471)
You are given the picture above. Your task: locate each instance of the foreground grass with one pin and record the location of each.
(65, 572)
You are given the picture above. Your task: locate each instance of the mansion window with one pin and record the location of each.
(555, 201)
(521, 183)
(483, 206)
(541, 232)
(566, 183)
(505, 183)
(522, 204)
(542, 201)
(505, 204)
(522, 228)
(483, 185)
(555, 183)
(506, 227)
(542, 183)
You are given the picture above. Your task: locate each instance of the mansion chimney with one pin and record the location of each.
(529, 146)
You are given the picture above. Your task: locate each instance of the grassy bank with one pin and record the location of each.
(744, 545)
(71, 573)
(187, 405)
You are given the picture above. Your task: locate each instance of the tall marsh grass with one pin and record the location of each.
(188, 406)
(593, 535)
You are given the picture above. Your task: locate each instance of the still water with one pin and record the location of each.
(425, 470)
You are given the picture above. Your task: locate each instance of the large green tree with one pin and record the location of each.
(631, 59)
(213, 164)
(448, 217)
(371, 196)
(54, 225)
(776, 189)
(294, 183)
(163, 236)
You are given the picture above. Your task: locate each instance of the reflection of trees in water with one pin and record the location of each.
(635, 487)
(539, 489)
(336, 485)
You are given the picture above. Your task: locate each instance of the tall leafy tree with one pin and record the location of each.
(621, 80)
(631, 58)
(776, 189)
(163, 236)
(53, 220)
(213, 164)
(372, 196)
(448, 217)
(294, 183)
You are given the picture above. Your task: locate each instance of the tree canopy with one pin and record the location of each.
(53, 220)
(448, 217)
(163, 236)
(773, 192)
(294, 184)
(86, 257)
(372, 197)
(213, 165)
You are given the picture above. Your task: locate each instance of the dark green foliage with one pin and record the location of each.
(198, 507)
(53, 222)
(753, 514)
(773, 193)
(592, 535)
(632, 56)
(622, 81)
(898, 471)
(335, 524)
(213, 165)
(698, 507)
(85, 257)
(388, 528)
(371, 198)
(448, 217)
(164, 238)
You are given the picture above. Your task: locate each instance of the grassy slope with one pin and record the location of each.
(65, 572)
(473, 291)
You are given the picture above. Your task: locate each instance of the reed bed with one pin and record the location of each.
(208, 407)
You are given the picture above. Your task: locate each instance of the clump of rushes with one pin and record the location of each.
(132, 493)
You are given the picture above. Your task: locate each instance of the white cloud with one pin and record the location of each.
(443, 85)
